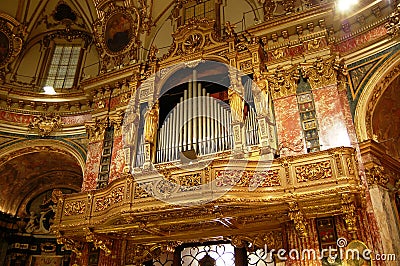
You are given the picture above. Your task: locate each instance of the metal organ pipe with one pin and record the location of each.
(198, 122)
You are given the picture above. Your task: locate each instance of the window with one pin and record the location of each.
(204, 9)
(62, 70)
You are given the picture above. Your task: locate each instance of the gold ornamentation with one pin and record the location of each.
(349, 213)
(116, 32)
(151, 123)
(236, 103)
(192, 43)
(251, 179)
(300, 223)
(393, 25)
(314, 171)
(74, 207)
(69, 244)
(105, 202)
(271, 239)
(376, 176)
(324, 72)
(350, 166)
(95, 130)
(116, 120)
(46, 124)
(97, 242)
(283, 82)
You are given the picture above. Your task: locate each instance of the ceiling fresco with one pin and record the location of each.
(30, 174)
(386, 119)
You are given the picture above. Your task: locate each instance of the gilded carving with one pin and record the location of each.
(271, 239)
(393, 24)
(251, 179)
(300, 223)
(95, 130)
(69, 244)
(283, 81)
(349, 213)
(74, 207)
(314, 171)
(190, 182)
(105, 202)
(46, 124)
(324, 72)
(97, 242)
(376, 176)
(236, 103)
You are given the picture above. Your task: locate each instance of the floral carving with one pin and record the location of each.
(114, 197)
(251, 179)
(74, 208)
(314, 171)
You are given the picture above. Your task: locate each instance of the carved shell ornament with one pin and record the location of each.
(193, 43)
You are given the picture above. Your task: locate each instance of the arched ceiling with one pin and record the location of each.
(386, 119)
(26, 176)
(28, 12)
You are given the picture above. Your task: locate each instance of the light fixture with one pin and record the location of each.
(345, 5)
(49, 90)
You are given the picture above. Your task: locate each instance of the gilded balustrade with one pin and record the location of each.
(153, 204)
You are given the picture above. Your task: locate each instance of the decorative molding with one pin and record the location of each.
(283, 81)
(97, 242)
(46, 124)
(349, 213)
(96, 129)
(376, 175)
(297, 216)
(393, 24)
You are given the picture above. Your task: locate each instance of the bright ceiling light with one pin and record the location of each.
(49, 90)
(345, 5)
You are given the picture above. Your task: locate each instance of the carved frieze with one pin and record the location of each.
(105, 202)
(314, 171)
(253, 179)
(74, 207)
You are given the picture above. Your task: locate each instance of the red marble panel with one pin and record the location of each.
(288, 125)
(92, 165)
(15, 117)
(360, 40)
(76, 119)
(297, 244)
(117, 159)
(331, 120)
(115, 259)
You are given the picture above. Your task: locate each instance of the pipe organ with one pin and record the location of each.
(198, 122)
